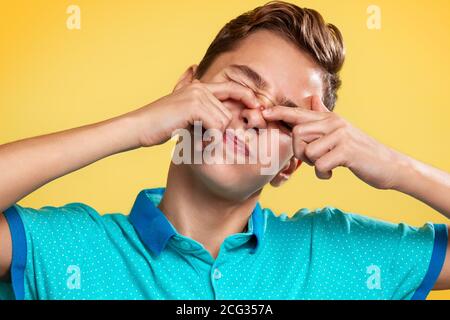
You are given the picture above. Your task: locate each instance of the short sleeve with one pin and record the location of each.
(409, 259)
(39, 237)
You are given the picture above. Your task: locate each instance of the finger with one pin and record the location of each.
(211, 116)
(310, 131)
(318, 148)
(293, 116)
(323, 175)
(230, 90)
(299, 147)
(317, 105)
(331, 160)
(310, 137)
(218, 104)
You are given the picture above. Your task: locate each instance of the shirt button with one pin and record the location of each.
(217, 274)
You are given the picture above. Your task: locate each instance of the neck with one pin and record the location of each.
(200, 214)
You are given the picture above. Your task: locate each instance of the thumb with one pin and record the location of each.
(317, 105)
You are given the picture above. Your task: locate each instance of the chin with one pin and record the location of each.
(234, 182)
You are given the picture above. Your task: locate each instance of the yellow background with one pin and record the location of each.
(129, 53)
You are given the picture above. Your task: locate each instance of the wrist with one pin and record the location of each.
(406, 174)
(144, 124)
(125, 130)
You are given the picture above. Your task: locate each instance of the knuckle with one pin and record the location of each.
(334, 120)
(341, 132)
(341, 122)
(297, 131)
(309, 151)
(196, 89)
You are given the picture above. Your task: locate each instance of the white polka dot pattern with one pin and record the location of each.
(73, 252)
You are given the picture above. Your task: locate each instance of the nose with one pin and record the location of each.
(252, 119)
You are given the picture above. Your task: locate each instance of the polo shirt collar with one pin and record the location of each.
(155, 230)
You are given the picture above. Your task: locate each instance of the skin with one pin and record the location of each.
(195, 189)
(199, 201)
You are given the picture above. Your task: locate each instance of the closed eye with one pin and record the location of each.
(281, 123)
(239, 82)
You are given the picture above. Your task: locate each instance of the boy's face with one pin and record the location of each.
(288, 77)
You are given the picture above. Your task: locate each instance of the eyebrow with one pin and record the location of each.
(259, 82)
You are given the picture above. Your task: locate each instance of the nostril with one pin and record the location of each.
(245, 120)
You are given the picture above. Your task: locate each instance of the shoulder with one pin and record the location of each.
(321, 217)
(68, 217)
(334, 222)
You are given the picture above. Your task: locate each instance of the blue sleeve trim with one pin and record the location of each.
(19, 252)
(436, 262)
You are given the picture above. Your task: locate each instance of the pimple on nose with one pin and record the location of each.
(265, 101)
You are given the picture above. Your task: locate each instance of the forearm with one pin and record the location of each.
(28, 164)
(425, 183)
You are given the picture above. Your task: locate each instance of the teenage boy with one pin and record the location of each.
(275, 71)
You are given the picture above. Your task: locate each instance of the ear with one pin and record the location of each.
(286, 172)
(317, 104)
(186, 78)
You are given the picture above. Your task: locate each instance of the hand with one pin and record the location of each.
(326, 141)
(195, 101)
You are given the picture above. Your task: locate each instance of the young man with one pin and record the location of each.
(273, 71)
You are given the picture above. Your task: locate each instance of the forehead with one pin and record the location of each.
(288, 71)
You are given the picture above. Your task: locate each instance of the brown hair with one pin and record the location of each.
(304, 27)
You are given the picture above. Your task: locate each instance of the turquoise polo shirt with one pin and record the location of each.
(73, 252)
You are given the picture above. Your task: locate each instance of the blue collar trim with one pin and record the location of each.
(155, 229)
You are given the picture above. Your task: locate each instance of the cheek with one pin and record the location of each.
(277, 143)
(285, 146)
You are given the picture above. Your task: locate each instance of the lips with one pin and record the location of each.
(238, 144)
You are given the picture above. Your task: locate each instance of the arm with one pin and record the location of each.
(28, 164)
(432, 187)
(326, 141)
(425, 183)
(6, 250)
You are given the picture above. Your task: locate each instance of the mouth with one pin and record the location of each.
(233, 141)
(238, 145)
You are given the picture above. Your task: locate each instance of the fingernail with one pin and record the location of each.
(267, 111)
